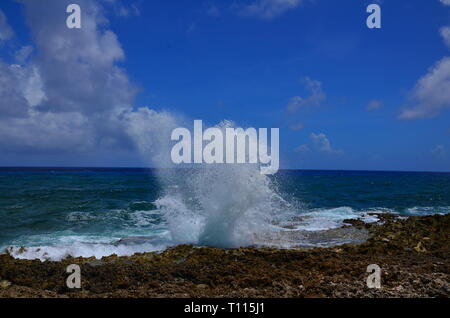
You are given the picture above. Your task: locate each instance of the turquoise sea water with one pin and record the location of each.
(56, 212)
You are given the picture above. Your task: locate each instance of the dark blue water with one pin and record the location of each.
(86, 211)
(404, 192)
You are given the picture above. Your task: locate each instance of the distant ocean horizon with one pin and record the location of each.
(56, 212)
(281, 170)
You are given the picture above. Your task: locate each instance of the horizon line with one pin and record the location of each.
(153, 168)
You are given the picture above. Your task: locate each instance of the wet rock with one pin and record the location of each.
(355, 222)
(185, 270)
(4, 284)
(419, 248)
(95, 263)
(201, 286)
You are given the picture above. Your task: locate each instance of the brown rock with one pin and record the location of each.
(4, 284)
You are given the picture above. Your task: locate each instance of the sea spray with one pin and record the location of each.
(225, 144)
(222, 205)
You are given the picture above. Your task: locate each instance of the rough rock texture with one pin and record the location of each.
(413, 254)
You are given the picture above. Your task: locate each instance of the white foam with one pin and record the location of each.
(426, 210)
(60, 252)
(221, 219)
(327, 219)
(223, 205)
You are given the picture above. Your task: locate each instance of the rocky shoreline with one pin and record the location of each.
(413, 253)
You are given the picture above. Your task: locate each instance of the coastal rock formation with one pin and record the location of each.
(413, 253)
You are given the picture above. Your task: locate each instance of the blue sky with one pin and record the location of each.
(344, 96)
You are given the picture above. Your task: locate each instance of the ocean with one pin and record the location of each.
(53, 213)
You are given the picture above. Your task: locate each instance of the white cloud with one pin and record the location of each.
(296, 127)
(432, 92)
(431, 95)
(151, 131)
(323, 144)
(123, 10)
(445, 33)
(21, 89)
(213, 10)
(71, 95)
(319, 143)
(79, 68)
(23, 54)
(302, 149)
(268, 9)
(48, 132)
(5, 30)
(374, 105)
(439, 151)
(316, 98)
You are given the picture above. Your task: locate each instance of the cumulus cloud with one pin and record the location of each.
(67, 92)
(439, 151)
(21, 89)
(316, 97)
(431, 93)
(123, 9)
(445, 33)
(319, 143)
(47, 133)
(302, 149)
(212, 10)
(5, 30)
(374, 105)
(268, 9)
(323, 144)
(79, 66)
(23, 54)
(296, 127)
